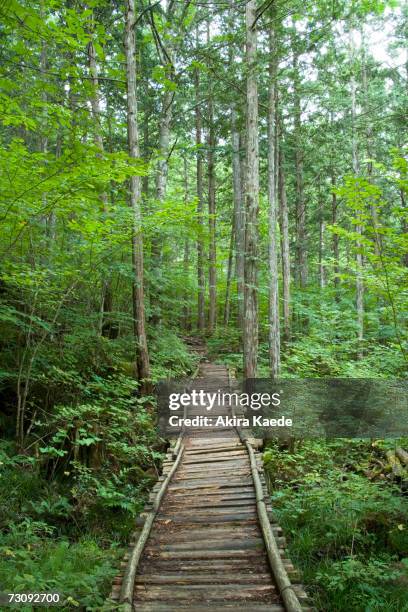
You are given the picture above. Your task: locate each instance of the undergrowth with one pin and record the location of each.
(69, 499)
(347, 534)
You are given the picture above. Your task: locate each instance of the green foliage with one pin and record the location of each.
(170, 356)
(384, 246)
(225, 347)
(348, 534)
(81, 572)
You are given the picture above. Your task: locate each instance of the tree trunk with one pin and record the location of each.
(301, 237)
(142, 354)
(160, 189)
(369, 145)
(252, 199)
(212, 255)
(43, 139)
(164, 144)
(335, 242)
(239, 198)
(186, 258)
(239, 214)
(359, 256)
(227, 305)
(274, 328)
(200, 240)
(284, 226)
(322, 270)
(146, 154)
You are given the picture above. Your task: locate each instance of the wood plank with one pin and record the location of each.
(234, 503)
(213, 487)
(238, 492)
(215, 441)
(215, 473)
(240, 564)
(237, 517)
(214, 466)
(233, 447)
(177, 607)
(226, 544)
(227, 459)
(193, 592)
(206, 533)
(235, 553)
(186, 512)
(198, 579)
(210, 482)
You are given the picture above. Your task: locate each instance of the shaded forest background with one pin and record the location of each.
(232, 170)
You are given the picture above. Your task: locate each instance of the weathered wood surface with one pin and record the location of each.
(206, 549)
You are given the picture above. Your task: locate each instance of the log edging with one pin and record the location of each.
(123, 584)
(291, 593)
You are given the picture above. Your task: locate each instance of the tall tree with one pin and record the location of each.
(335, 240)
(200, 204)
(356, 172)
(274, 326)
(301, 227)
(227, 303)
(239, 215)
(212, 251)
(186, 257)
(237, 186)
(142, 353)
(285, 245)
(252, 197)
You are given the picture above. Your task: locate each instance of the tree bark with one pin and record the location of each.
(160, 193)
(359, 256)
(274, 325)
(284, 227)
(186, 258)
(239, 198)
(252, 199)
(164, 144)
(142, 354)
(301, 236)
(212, 255)
(200, 206)
(369, 145)
(239, 216)
(335, 242)
(146, 153)
(227, 305)
(322, 269)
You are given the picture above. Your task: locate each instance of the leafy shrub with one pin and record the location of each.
(347, 533)
(170, 356)
(81, 572)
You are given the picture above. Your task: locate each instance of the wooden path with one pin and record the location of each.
(205, 547)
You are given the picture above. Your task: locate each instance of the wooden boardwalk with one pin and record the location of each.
(205, 549)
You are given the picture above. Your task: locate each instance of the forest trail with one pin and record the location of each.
(206, 549)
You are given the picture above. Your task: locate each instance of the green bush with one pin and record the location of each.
(348, 534)
(32, 559)
(170, 356)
